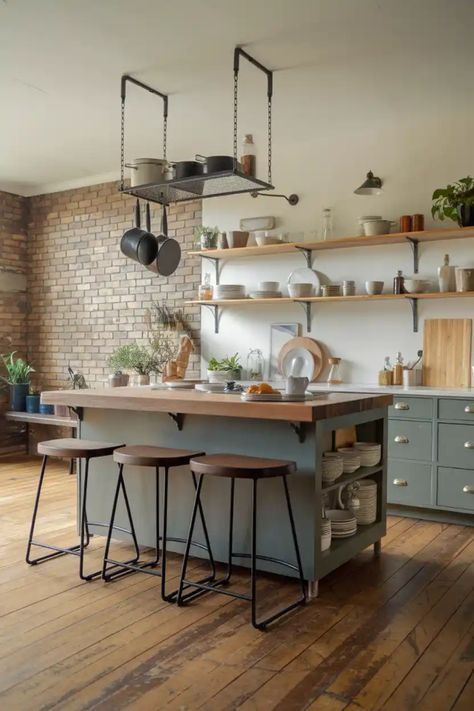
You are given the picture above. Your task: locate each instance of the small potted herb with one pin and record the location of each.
(17, 376)
(207, 237)
(221, 371)
(456, 202)
(141, 359)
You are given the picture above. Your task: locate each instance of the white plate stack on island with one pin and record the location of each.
(366, 512)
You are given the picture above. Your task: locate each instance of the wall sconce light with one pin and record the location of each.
(371, 185)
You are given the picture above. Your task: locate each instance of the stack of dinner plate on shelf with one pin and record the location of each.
(351, 459)
(366, 513)
(370, 453)
(331, 290)
(229, 291)
(332, 467)
(343, 523)
(267, 290)
(325, 534)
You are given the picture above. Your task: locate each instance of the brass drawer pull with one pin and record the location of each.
(469, 409)
(401, 439)
(402, 406)
(400, 482)
(468, 489)
(469, 445)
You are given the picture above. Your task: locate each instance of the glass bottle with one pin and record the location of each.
(205, 289)
(398, 370)
(334, 377)
(386, 375)
(248, 157)
(326, 223)
(255, 364)
(398, 283)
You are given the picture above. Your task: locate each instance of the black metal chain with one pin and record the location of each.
(236, 90)
(270, 140)
(122, 145)
(165, 135)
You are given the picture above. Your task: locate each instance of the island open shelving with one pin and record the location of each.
(216, 305)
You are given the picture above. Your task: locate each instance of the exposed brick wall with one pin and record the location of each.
(13, 332)
(85, 297)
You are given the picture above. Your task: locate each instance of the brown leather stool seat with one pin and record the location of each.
(85, 449)
(234, 467)
(155, 459)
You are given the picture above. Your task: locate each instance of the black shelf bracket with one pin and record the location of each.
(414, 310)
(306, 305)
(178, 418)
(299, 429)
(414, 248)
(292, 199)
(215, 312)
(308, 255)
(215, 261)
(79, 412)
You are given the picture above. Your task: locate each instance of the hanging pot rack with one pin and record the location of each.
(228, 182)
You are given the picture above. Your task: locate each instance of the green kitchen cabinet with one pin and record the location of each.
(456, 488)
(409, 483)
(411, 407)
(410, 439)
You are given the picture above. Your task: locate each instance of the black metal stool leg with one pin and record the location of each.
(253, 557)
(295, 539)
(111, 526)
(179, 599)
(84, 528)
(58, 551)
(231, 533)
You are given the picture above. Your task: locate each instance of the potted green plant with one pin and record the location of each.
(456, 202)
(17, 376)
(207, 237)
(141, 359)
(221, 371)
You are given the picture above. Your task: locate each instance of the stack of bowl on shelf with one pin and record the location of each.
(366, 512)
(351, 458)
(332, 467)
(267, 290)
(370, 453)
(325, 534)
(343, 523)
(229, 291)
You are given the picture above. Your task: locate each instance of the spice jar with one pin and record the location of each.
(386, 375)
(398, 370)
(247, 159)
(398, 283)
(205, 289)
(406, 223)
(418, 222)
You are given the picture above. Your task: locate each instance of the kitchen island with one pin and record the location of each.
(300, 431)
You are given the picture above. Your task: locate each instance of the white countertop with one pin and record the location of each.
(393, 390)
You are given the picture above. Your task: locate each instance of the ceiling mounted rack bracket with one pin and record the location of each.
(178, 418)
(414, 310)
(299, 429)
(308, 255)
(306, 305)
(215, 312)
(414, 244)
(292, 199)
(215, 261)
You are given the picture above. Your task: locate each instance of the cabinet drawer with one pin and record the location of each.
(456, 409)
(413, 407)
(456, 445)
(456, 488)
(409, 439)
(409, 483)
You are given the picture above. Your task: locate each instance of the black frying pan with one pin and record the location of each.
(137, 244)
(169, 251)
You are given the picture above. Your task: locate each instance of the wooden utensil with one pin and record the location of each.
(303, 342)
(447, 352)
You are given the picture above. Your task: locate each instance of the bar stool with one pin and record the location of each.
(234, 467)
(154, 458)
(71, 449)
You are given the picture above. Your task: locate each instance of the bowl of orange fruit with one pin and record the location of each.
(262, 392)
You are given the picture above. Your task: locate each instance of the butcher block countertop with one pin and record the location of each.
(192, 402)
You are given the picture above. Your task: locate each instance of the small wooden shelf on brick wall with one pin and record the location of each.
(308, 248)
(216, 305)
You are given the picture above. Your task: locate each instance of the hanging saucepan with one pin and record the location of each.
(217, 164)
(138, 244)
(187, 169)
(148, 170)
(169, 251)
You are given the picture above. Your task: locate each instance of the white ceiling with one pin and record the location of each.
(61, 62)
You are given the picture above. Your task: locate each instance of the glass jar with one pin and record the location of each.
(205, 289)
(326, 224)
(334, 377)
(255, 364)
(248, 157)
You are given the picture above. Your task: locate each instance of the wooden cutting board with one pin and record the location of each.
(447, 352)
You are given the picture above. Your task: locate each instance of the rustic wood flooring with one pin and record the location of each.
(392, 633)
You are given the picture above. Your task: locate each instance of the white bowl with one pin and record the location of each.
(268, 286)
(374, 287)
(263, 240)
(301, 290)
(416, 286)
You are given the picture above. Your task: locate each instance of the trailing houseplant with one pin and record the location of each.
(207, 236)
(456, 202)
(17, 376)
(228, 368)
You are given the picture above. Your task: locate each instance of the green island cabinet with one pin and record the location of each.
(431, 456)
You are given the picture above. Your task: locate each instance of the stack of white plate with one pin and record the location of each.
(332, 467)
(229, 291)
(265, 294)
(370, 453)
(343, 523)
(331, 290)
(325, 534)
(367, 495)
(351, 458)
